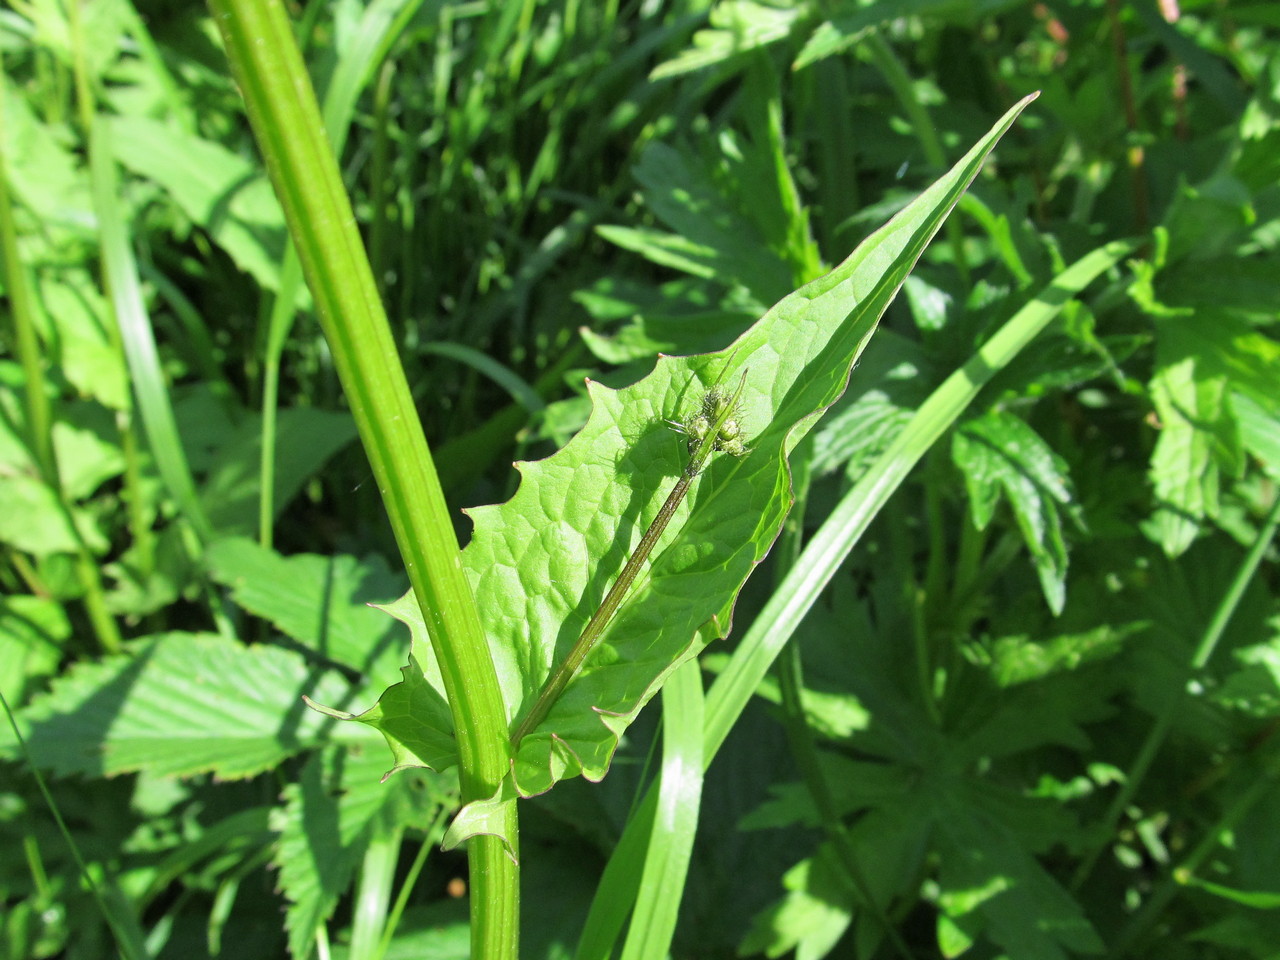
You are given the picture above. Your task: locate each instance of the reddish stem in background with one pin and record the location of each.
(1141, 206)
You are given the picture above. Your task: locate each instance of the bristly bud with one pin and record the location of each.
(716, 404)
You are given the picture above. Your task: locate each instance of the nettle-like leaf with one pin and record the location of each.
(330, 815)
(541, 562)
(178, 704)
(324, 603)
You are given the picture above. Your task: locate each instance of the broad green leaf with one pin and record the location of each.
(79, 314)
(1199, 437)
(178, 704)
(224, 194)
(890, 844)
(855, 786)
(541, 562)
(1028, 716)
(412, 715)
(45, 174)
(730, 205)
(880, 402)
(999, 453)
(598, 494)
(1259, 431)
(32, 633)
(991, 886)
(87, 443)
(737, 28)
(325, 603)
(305, 441)
(1253, 688)
(107, 18)
(1016, 660)
(813, 915)
(835, 716)
(33, 520)
(708, 238)
(683, 315)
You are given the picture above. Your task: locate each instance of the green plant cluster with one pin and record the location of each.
(967, 638)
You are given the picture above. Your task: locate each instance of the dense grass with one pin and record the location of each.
(998, 560)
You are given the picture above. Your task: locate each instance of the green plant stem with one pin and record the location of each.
(373, 893)
(380, 186)
(429, 842)
(285, 117)
(805, 753)
(278, 326)
(1160, 730)
(123, 923)
(140, 530)
(39, 425)
(595, 627)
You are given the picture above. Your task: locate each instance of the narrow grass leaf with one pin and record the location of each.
(149, 384)
(666, 864)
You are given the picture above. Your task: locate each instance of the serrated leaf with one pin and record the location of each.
(329, 816)
(176, 705)
(77, 310)
(88, 452)
(834, 716)
(1018, 660)
(541, 562)
(33, 520)
(325, 603)
(1000, 454)
(1031, 715)
(1199, 437)
(1259, 432)
(1254, 688)
(413, 717)
(32, 633)
(687, 200)
(46, 173)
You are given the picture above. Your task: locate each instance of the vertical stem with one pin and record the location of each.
(1134, 154)
(39, 425)
(285, 117)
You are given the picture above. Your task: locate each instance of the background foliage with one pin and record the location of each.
(1033, 715)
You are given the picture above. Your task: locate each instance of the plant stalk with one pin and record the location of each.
(282, 108)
